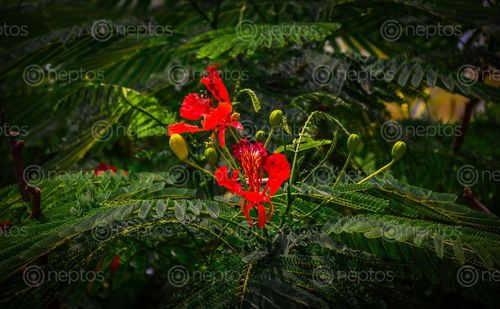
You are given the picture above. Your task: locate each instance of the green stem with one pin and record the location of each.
(289, 187)
(198, 167)
(242, 179)
(231, 157)
(311, 212)
(377, 172)
(341, 174)
(225, 158)
(269, 137)
(235, 137)
(313, 114)
(328, 153)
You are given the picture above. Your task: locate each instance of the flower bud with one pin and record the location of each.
(260, 136)
(178, 146)
(398, 150)
(353, 143)
(276, 118)
(210, 155)
(235, 117)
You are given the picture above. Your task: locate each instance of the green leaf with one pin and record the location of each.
(180, 210)
(253, 97)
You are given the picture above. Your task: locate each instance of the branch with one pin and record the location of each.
(25, 189)
(474, 202)
(469, 108)
(200, 11)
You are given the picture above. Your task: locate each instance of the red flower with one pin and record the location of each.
(193, 107)
(4, 226)
(216, 119)
(214, 84)
(222, 175)
(102, 168)
(115, 263)
(254, 161)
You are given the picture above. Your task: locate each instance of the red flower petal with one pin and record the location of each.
(214, 84)
(236, 125)
(262, 216)
(218, 117)
(246, 212)
(252, 154)
(98, 171)
(257, 199)
(193, 107)
(222, 176)
(278, 170)
(253, 197)
(181, 127)
(115, 263)
(222, 138)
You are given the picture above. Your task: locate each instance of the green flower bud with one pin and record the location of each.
(276, 118)
(178, 146)
(398, 150)
(353, 143)
(211, 155)
(260, 136)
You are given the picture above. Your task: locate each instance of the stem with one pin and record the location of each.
(341, 174)
(328, 153)
(201, 12)
(231, 157)
(377, 172)
(289, 187)
(141, 110)
(236, 139)
(225, 158)
(474, 202)
(35, 202)
(313, 114)
(216, 15)
(459, 140)
(192, 164)
(16, 148)
(269, 138)
(311, 212)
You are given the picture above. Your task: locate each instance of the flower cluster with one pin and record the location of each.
(254, 161)
(255, 175)
(215, 119)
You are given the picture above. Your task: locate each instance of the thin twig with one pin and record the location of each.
(474, 202)
(142, 110)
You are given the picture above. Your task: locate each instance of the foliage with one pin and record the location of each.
(181, 241)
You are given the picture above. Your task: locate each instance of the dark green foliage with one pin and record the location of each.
(181, 241)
